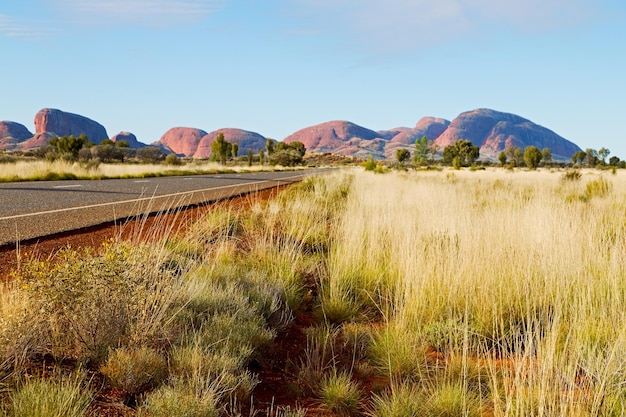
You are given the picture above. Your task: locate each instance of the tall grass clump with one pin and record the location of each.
(496, 267)
(45, 398)
(340, 394)
(68, 296)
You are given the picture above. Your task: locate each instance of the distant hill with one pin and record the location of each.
(12, 135)
(491, 130)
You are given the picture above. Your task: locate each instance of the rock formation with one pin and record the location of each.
(12, 135)
(340, 137)
(53, 122)
(493, 131)
(243, 138)
(130, 139)
(183, 141)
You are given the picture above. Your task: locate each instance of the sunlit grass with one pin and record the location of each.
(504, 267)
(474, 293)
(173, 325)
(64, 170)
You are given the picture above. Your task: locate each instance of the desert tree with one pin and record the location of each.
(269, 146)
(150, 154)
(546, 155)
(294, 146)
(532, 157)
(578, 157)
(235, 150)
(465, 152)
(402, 155)
(591, 157)
(514, 154)
(69, 145)
(221, 149)
(286, 157)
(422, 149)
(502, 158)
(603, 153)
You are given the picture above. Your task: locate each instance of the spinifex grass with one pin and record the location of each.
(499, 267)
(174, 324)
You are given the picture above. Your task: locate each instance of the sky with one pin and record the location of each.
(277, 66)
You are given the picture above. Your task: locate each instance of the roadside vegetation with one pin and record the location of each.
(167, 328)
(429, 293)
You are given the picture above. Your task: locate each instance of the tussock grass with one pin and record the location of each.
(340, 394)
(503, 268)
(174, 324)
(467, 293)
(43, 398)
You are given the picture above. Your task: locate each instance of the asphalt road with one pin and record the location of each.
(33, 209)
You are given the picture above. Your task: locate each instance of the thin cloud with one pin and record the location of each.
(400, 24)
(11, 28)
(140, 12)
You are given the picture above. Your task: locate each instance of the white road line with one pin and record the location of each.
(68, 186)
(141, 181)
(137, 200)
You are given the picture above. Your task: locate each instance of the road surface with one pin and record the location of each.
(33, 209)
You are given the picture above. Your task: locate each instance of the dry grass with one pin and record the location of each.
(59, 170)
(488, 293)
(171, 325)
(523, 270)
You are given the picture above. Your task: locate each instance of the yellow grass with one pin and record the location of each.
(38, 170)
(521, 267)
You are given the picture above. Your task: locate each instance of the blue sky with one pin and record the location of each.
(275, 66)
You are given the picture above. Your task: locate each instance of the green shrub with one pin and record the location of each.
(41, 398)
(403, 401)
(135, 370)
(172, 159)
(339, 394)
(572, 175)
(69, 295)
(180, 402)
(370, 164)
(452, 400)
(397, 352)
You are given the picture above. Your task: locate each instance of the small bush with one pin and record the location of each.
(135, 370)
(370, 164)
(397, 352)
(572, 175)
(403, 401)
(340, 308)
(339, 393)
(451, 400)
(180, 402)
(41, 398)
(318, 358)
(173, 160)
(598, 188)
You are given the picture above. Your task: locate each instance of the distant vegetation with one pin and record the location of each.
(463, 153)
(70, 157)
